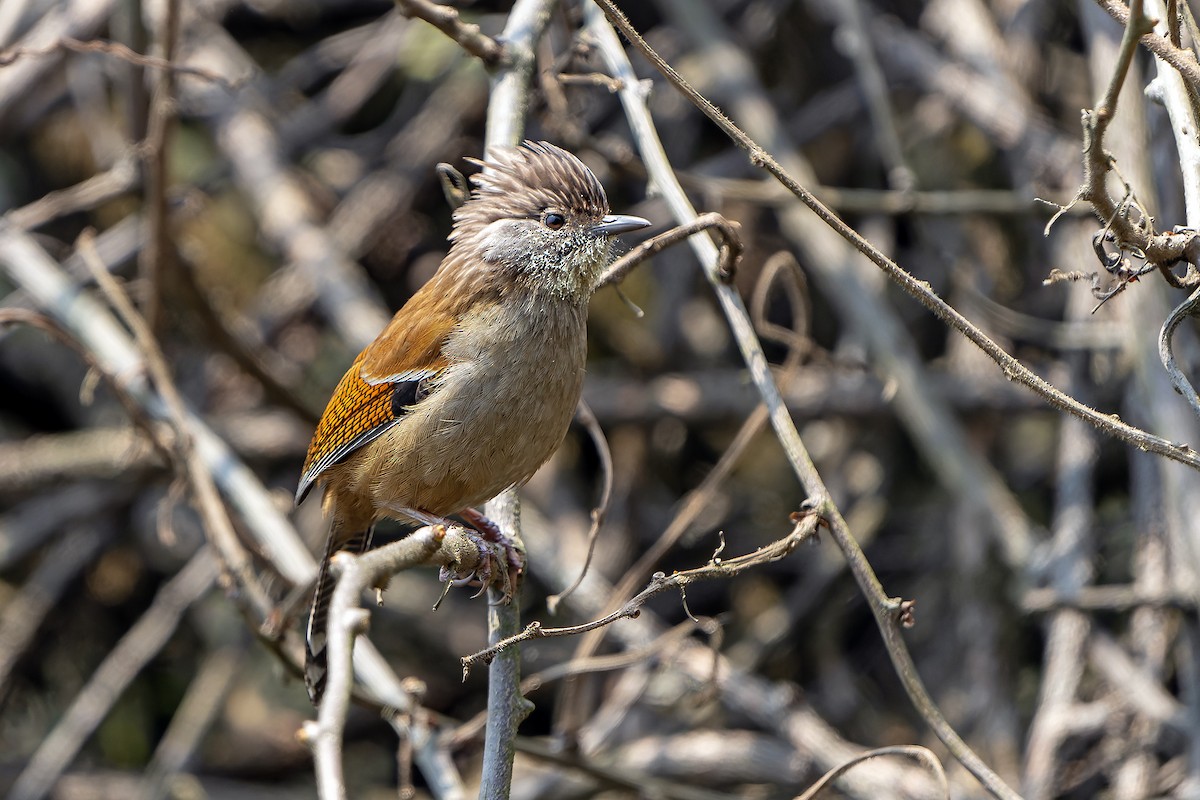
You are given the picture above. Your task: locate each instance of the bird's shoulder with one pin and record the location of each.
(413, 341)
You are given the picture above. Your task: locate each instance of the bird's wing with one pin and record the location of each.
(412, 342)
(382, 383)
(358, 413)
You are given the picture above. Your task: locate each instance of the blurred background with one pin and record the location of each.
(271, 203)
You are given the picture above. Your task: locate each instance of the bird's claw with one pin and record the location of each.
(514, 557)
(492, 569)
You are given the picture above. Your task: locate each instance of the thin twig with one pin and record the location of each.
(731, 247)
(1119, 598)
(86, 194)
(472, 728)
(856, 41)
(468, 35)
(916, 752)
(117, 50)
(1181, 59)
(587, 419)
(805, 527)
(157, 257)
(589, 79)
(1167, 354)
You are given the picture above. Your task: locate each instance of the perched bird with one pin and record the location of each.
(472, 385)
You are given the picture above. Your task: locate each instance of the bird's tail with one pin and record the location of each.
(315, 660)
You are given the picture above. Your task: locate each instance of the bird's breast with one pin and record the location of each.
(496, 414)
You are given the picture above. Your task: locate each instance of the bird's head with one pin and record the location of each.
(539, 218)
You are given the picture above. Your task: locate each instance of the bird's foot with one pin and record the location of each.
(492, 568)
(491, 532)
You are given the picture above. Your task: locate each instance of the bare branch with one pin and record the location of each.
(192, 720)
(921, 754)
(87, 194)
(446, 19)
(217, 523)
(31, 268)
(805, 526)
(24, 614)
(116, 50)
(592, 425)
(1166, 353)
(730, 250)
(1179, 58)
(507, 707)
(157, 257)
(348, 620)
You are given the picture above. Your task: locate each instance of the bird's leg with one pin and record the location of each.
(481, 534)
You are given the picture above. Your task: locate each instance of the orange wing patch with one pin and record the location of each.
(356, 414)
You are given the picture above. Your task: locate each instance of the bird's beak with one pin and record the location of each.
(614, 224)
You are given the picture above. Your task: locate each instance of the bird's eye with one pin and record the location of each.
(553, 220)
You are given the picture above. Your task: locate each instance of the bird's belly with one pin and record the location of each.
(488, 426)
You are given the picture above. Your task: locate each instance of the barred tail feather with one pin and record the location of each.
(315, 660)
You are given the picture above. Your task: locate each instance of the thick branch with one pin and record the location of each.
(347, 619)
(507, 707)
(1179, 58)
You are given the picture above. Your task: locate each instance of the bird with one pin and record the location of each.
(473, 384)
